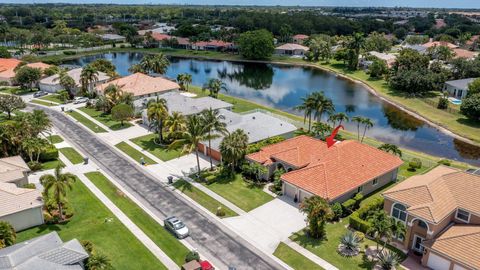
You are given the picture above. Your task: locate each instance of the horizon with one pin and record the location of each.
(448, 4)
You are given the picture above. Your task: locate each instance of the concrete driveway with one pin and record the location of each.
(269, 224)
(187, 164)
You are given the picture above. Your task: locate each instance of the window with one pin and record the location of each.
(399, 212)
(463, 215)
(359, 189)
(422, 224)
(375, 182)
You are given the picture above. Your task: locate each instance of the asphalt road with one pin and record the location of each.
(207, 234)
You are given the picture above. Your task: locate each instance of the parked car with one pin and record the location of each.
(177, 227)
(198, 265)
(79, 100)
(206, 265)
(39, 94)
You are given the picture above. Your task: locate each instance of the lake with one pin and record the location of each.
(282, 87)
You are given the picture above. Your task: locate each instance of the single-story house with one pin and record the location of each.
(257, 126)
(291, 49)
(212, 45)
(21, 207)
(113, 38)
(388, 58)
(52, 84)
(466, 54)
(441, 210)
(457, 88)
(334, 173)
(178, 102)
(8, 65)
(299, 39)
(142, 87)
(162, 28)
(439, 43)
(419, 48)
(14, 170)
(46, 252)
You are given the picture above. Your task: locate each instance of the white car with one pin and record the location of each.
(79, 100)
(177, 227)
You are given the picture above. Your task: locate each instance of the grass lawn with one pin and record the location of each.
(239, 192)
(327, 248)
(134, 153)
(111, 238)
(44, 103)
(86, 122)
(52, 164)
(16, 91)
(147, 143)
(165, 240)
(294, 259)
(72, 155)
(52, 98)
(105, 119)
(202, 198)
(55, 139)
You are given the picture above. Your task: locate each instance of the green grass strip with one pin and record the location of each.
(134, 153)
(72, 155)
(294, 259)
(86, 122)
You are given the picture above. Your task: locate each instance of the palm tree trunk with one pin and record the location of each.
(198, 161)
(358, 131)
(364, 131)
(309, 122)
(210, 151)
(60, 210)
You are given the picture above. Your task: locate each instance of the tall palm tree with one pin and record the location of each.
(215, 127)
(7, 234)
(184, 79)
(175, 123)
(194, 134)
(157, 63)
(157, 112)
(233, 148)
(321, 105)
(88, 77)
(358, 119)
(381, 226)
(67, 82)
(214, 86)
(367, 124)
(38, 122)
(391, 148)
(56, 185)
(338, 117)
(307, 107)
(318, 213)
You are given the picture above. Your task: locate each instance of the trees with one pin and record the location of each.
(99, 261)
(355, 44)
(257, 44)
(7, 234)
(9, 103)
(157, 112)
(157, 63)
(194, 134)
(377, 69)
(442, 53)
(27, 77)
(474, 87)
(391, 148)
(175, 124)
(56, 185)
(214, 126)
(307, 106)
(184, 80)
(318, 213)
(321, 104)
(380, 227)
(103, 65)
(366, 122)
(321, 47)
(233, 148)
(471, 106)
(338, 117)
(377, 42)
(254, 170)
(67, 82)
(321, 129)
(4, 53)
(214, 86)
(122, 112)
(88, 77)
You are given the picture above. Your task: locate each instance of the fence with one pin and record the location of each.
(434, 104)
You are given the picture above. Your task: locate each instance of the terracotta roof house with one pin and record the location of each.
(51, 84)
(462, 53)
(142, 87)
(42, 66)
(299, 39)
(335, 174)
(439, 43)
(160, 36)
(8, 65)
(212, 45)
(46, 252)
(388, 58)
(21, 207)
(441, 209)
(291, 49)
(14, 170)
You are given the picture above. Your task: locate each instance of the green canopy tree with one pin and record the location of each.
(214, 86)
(7, 234)
(10, 103)
(318, 212)
(27, 77)
(233, 148)
(56, 186)
(157, 112)
(122, 112)
(257, 44)
(391, 148)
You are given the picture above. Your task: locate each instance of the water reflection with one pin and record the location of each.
(255, 76)
(401, 120)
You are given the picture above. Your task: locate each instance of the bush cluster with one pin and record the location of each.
(352, 204)
(359, 219)
(255, 147)
(50, 153)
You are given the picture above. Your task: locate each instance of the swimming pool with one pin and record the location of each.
(455, 101)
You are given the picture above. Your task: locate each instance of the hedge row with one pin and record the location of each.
(358, 219)
(50, 153)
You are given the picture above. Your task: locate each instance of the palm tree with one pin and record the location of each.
(157, 112)
(88, 77)
(391, 148)
(37, 122)
(318, 213)
(321, 129)
(321, 105)
(381, 227)
(367, 124)
(99, 262)
(184, 79)
(136, 68)
(157, 63)
(214, 86)
(338, 117)
(67, 82)
(214, 126)
(56, 185)
(358, 119)
(113, 94)
(7, 234)
(193, 135)
(175, 123)
(233, 148)
(398, 228)
(307, 108)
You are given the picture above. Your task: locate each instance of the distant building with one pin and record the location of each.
(466, 54)
(8, 65)
(160, 28)
(419, 48)
(14, 170)
(457, 88)
(388, 58)
(291, 49)
(299, 39)
(113, 38)
(439, 43)
(46, 252)
(212, 45)
(52, 84)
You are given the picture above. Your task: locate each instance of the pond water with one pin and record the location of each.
(282, 87)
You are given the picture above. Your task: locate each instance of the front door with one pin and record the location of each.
(417, 243)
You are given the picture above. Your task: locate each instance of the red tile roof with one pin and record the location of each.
(300, 36)
(140, 84)
(327, 172)
(462, 53)
(160, 37)
(439, 43)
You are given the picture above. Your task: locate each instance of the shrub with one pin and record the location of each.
(50, 153)
(47, 217)
(29, 185)
(349, 244)
(445, 162)
(388, 260)
(414, 164)
(255, 147)
(360, 235)
(358, 219)
(442, 103)
(192, 256)
(69, 52)
(220, 212)
(358, 198)
(4, 83)
(337, 211)
(34, 165)
(210, 179)
(87, 245)
(349, 206)
(359, 224)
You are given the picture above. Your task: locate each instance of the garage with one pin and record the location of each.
(304, 195)
(289, 190)
(438, 263)
(458, 267)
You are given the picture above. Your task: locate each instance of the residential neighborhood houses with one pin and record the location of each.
(206, 137)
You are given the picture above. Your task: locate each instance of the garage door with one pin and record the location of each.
(303, 195)
(458, 267)
(438, 263)
(290, 191)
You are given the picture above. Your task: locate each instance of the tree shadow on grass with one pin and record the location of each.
(304, 240)
(183, 185)
(469, 122)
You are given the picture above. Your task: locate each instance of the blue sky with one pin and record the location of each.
(362, 3)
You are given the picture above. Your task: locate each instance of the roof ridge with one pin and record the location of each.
(459, 235)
